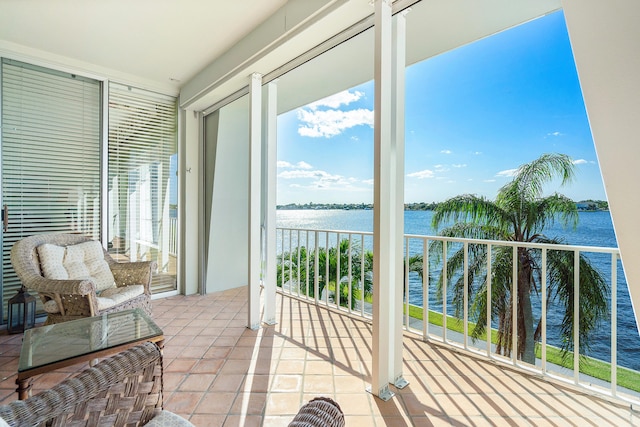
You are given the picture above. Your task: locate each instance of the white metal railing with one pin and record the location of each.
(345, 283)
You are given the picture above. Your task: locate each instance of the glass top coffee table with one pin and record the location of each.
(47, 348)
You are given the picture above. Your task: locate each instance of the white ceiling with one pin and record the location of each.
(206, 49)
(165, 42)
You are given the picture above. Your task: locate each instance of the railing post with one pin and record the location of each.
(465, 297)
(298, 263)
(290, 260)
(444, 291)
(326, 277)
(543, 285)
(362, 278)
(405, 283)
(307, 265)
(576, 317)
(349, 276)
(425, 289)
(489, 293)
(514, 305)
(614, 324)
(316, 272)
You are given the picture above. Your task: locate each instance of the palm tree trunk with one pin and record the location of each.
(526, 342)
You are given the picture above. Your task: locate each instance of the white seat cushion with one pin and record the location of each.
(82, 261)
(168, 419)
(114, 296)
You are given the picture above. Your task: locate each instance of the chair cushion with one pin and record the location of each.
(82, 261)
(114, 296)
(168, 419)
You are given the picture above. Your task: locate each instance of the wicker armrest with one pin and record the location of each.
(125, 389)
(68, 287)
(319, 412)
(133, 273)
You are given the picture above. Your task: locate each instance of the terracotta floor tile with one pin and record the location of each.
(181, 365)
(287, 383)
(208, 366)
(290, 367)
(197, 382)
(243, 421)
(208, 420)
(215, 403)
(228, 382)
(183, 402)
(283, 404)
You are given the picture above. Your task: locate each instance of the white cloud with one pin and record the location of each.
(489, 180)
(477, 153)
(335, 101)
(556, 133)
(441, 168)
(303, 165)
(580, 162)
(507, 173)
(422, 174)
(446, 151)
(320, 180)
(368, 181)
(328, 123)
(300, 165)
(463, 165)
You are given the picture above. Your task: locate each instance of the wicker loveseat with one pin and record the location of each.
(124, 390)
(124, 285)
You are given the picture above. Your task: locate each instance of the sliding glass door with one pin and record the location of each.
(143, 182)
(51, 132)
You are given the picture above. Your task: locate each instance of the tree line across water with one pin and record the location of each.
(583, 205)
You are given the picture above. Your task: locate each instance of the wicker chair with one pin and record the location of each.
(72, 299)
(319, 412)
(124, 390)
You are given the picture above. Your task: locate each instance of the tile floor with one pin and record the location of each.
(219, 373)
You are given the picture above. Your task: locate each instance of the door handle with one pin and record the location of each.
(5, 218)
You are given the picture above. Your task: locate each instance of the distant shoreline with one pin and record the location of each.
(583, 206)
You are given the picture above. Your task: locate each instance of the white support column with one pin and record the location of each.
(255, 193)
(384, 200)
(397, 147)
(270, 211)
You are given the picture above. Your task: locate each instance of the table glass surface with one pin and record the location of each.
(45, 345)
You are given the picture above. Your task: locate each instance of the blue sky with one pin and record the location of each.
(473, 115)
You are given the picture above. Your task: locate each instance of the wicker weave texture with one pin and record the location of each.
(77, 298)
(319, 412)
(125, 390)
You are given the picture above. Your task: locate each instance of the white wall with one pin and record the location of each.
(604, 37)
(228, 237)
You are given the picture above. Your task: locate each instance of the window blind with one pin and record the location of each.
(143, 179)
(50, 156)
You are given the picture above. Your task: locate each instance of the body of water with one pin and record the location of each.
(594, 229)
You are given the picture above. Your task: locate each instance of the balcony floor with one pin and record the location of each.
(219, 373)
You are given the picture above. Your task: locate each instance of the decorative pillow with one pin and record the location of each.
(51, 307)
(82, 261)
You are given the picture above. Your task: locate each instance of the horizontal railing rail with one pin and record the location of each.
(334, 268)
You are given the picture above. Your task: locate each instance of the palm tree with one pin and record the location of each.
(296, 274)
(520, 213)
